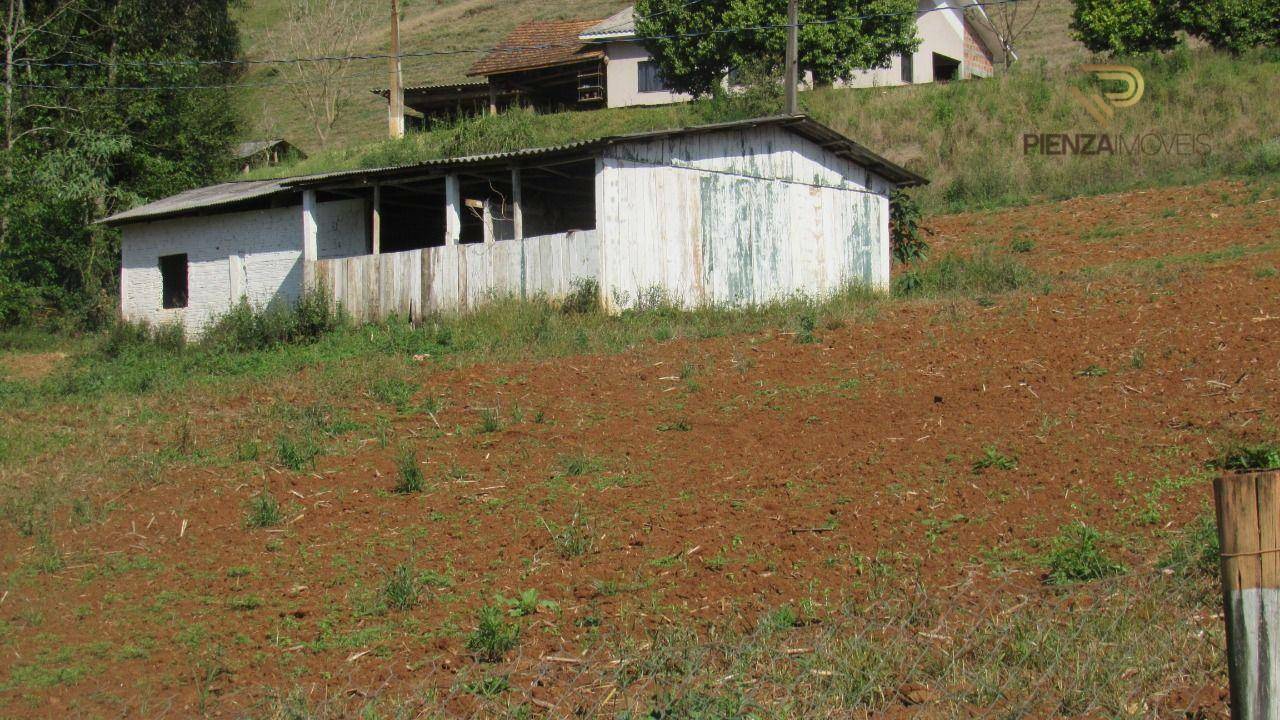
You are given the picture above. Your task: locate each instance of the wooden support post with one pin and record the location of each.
(395, 96)
(1248, 506)
(517, 205)
(793, 56)
(493, 98)
(377, 218)
(310, 240)
(452, 210)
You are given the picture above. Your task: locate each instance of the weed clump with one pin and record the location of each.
(573, 539)
(494, 635)
(296, 453)
(410, 479)
(993, 458)
(401, 591)
(985, 273)
(245, 328)
(1076, 555)
(584, 297)
(1243, 456)
(264, 511)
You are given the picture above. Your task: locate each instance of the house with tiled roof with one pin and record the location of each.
(583, 64)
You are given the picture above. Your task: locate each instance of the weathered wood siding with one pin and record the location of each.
(737, 218)
(458, 277)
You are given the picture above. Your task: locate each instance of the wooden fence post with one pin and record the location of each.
(1248, 506)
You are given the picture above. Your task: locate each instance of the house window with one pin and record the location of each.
(651, 77)
(908, 68)
(173, 281)
(945, 69)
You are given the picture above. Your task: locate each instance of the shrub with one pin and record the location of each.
(264, 511)
(1124, 27)
(1076, 555)
(905, 239)
(987, 272)
(245, 328)
(584, 297)
(494, 636)
(1242, 455)
(401, 590)
(125, 337)
(410, 474)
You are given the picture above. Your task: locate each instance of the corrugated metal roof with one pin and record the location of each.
(621, 24)
(213, 196)
(802, 125)
(459, 86)
(253, 147)
(538, 44)
(226, 194)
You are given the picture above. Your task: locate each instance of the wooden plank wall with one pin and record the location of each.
(457, 278)
(738, 218)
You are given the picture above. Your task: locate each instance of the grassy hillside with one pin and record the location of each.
(426, 25)
(456, 24)
(967, 138)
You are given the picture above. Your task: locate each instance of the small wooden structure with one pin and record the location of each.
(1248, 506)
(264, 153)
(730, 214)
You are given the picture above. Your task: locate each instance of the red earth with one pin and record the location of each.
(714, 480)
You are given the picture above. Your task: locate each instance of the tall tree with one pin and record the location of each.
(322, 28)
(111, 102)
(697, 43)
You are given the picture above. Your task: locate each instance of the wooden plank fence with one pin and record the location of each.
(457, 278)
(1248, 507)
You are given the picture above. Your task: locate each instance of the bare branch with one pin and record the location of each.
(316, 28)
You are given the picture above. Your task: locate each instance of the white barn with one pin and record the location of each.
(730, 214)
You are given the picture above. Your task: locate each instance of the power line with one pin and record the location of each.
(982, 4)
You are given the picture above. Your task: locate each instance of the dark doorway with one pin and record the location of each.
(173, 281)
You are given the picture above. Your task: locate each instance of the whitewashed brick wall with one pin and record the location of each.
(257, 254)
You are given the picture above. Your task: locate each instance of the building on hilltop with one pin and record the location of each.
(587, 64)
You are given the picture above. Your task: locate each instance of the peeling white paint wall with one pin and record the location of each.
(254, 254)
(737, 218)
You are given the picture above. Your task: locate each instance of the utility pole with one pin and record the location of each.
(395, 96)
(793, 55)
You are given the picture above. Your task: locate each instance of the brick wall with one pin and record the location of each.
(977, 59)
(255, 254)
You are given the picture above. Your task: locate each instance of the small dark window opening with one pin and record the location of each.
(945, 69)
(173, 280)
(908, 68)
(651, 77)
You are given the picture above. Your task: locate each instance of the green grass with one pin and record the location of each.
(1189, 92)
(402, 589)
(1076, 554)
(409, 474)
(264, 511)
(494, 635)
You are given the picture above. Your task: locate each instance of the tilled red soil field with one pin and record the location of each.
(681, 483)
